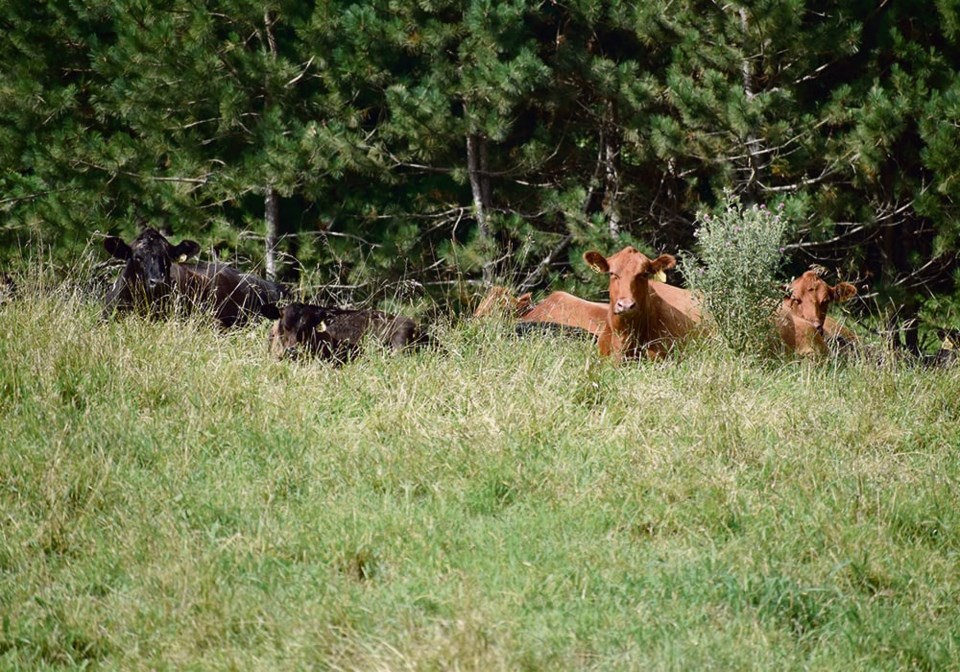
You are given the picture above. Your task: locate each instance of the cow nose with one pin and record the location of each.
(290, 351)
(818, 325)
(624, 306)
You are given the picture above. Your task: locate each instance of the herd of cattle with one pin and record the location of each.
(645, 317)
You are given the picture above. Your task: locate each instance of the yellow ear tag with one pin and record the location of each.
(182, 259)
(322, 327)
(948, 344)
(659, 276)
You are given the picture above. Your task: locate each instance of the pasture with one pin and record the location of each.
(173, 498)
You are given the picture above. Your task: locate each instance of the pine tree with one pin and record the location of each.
(461, 74)
(479, 139)
(884, 125)
(50, 194)
(214, 98)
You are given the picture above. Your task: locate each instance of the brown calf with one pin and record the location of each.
(568, 310)
(809, 298)
(558, 308)
(798, 336)
(642, 317)
(500, 301)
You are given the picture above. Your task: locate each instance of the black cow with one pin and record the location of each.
(306, 330)
(156, 275)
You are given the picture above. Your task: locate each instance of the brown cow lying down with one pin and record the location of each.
(500, 301)
(807, 301)
(569, 311)
(155, 273)
(559, 311)
(643, 318)
(798, 336)
(330, 333)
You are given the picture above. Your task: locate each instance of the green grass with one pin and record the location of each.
(171, 498)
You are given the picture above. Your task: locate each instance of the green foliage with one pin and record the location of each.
(739, 254)
(597, 122)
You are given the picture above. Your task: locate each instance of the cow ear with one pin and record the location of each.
(117, 248)
(844, 291)
(270, 311)
(663, 263)
(185, 249)
(524, 303)
(596, 261)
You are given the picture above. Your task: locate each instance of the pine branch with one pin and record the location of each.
(31, 197)
(303, 72)
(534, 275)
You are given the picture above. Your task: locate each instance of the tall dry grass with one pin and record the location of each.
(172, 498)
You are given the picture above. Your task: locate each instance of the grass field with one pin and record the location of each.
(170, 498)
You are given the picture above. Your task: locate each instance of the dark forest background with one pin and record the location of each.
(395, 147)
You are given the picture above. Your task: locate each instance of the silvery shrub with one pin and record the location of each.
(735, 268)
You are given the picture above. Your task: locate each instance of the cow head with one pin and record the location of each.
(300, 330)
(499, 301)
(630, 272)
(149, 258)
(809, 297)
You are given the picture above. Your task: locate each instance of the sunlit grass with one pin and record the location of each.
(171, 497)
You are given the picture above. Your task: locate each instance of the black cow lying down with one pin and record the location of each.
(156, 274)
(330, 333)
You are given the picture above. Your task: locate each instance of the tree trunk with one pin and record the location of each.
(271, 217)
(479, 185)
(754, 144)
(271, 206)
(611, 161)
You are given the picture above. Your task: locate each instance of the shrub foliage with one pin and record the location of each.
(739, 254)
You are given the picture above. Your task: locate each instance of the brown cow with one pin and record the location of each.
(558, 309)
(500, 301)
(331, 333)
(809, 298)
(799, 336)
(568, 310)
(643, 317)
(156, 273)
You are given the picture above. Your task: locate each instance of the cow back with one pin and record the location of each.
(393, 331)
(234, 297)
(675, 311)
(568, 310)
(799, 336)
